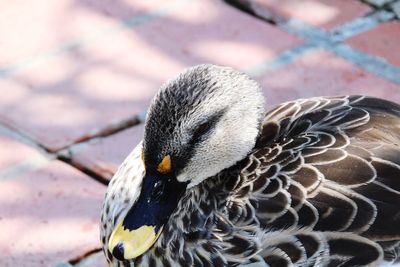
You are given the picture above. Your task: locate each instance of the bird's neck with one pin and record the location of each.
(200, 211)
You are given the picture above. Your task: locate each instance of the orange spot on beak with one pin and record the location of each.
(165, 165)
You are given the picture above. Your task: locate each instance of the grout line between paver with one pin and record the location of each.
(89, 260)
(108, 130)
(81, 260)
(282, 59)
(332, 41)
(24, 167)
(80, 42)
(63, 154)
(86, 261)
(103, 132)
(95, 176)
(305, 31)
(377, 4)
(372, 64)
(23, 138)
(44, 158)
(361, 25)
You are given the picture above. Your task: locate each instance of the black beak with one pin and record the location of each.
(143, 224)
(158, 199)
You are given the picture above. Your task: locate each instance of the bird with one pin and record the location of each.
(218, 181)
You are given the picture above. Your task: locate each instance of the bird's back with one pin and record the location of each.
(323, 184)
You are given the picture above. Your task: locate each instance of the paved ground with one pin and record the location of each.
(77, 77)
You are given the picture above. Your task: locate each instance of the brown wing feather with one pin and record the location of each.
(329, 168)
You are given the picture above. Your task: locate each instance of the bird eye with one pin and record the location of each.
(205, 127)
(201, 130)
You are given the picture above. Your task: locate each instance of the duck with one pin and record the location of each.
(217, 181)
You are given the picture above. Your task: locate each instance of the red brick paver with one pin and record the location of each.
(104, 155)
(48, 215)
(326, 14)
(113, 76)
(382, 41)
(323, 74)
(46, 25)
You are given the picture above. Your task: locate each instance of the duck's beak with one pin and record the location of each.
(143, 224)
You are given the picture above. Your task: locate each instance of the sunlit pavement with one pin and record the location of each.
(77, 76)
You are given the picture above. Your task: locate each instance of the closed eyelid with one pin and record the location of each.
(205, 127)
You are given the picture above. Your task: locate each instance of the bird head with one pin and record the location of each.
(199, 123)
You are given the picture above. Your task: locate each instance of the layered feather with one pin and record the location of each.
(321, 188)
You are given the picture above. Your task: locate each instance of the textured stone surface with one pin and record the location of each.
(104, 155)
(382, 41)
(110, 75)
(47, 216)
(308, 77)
(321, 13)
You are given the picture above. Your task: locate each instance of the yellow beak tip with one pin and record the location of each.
(125, 244)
